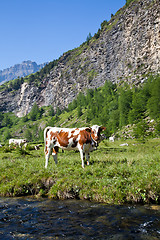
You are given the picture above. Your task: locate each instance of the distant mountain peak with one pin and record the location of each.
(19, 70)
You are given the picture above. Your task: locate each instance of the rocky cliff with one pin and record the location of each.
(127, 48)
(19, 70)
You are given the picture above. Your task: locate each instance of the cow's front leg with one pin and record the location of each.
(82, 154)
(87, 158)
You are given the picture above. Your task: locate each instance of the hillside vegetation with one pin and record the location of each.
(111, 105)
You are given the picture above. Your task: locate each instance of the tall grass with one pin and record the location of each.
(115, 175)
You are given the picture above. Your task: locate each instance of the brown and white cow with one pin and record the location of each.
(83, 139)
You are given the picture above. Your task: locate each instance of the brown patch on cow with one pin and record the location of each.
(75, 141)
(63, 139)
(85, 137)
(88, 129)
(46, 142)
(52, 135)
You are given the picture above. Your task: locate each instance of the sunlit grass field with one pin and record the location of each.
(116, 174)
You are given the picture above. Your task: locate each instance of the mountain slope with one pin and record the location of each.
(125, 49)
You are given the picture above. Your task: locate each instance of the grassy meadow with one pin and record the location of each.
(116, 174)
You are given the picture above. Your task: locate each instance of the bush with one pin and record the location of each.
(7, 149)
(28, 135)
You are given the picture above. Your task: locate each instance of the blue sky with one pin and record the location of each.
(42, 30)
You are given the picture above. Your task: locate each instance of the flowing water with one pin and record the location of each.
(28, 218)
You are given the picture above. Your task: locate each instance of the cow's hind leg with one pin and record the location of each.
(87, 158)
(54, 153)
(47, 155)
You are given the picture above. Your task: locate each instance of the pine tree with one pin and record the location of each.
(124, 102)
(51, 111)
(79, 111)
(34, 112)
(6, 121)
(154, 101)
(138, 105)
(89, 37)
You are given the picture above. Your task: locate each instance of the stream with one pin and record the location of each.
(29, 218)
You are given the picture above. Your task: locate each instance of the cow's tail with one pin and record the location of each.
(45, 135)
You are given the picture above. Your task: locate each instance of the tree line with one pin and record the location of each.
(116, 107)
(111, 105)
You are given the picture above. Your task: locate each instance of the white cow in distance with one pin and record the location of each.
(17, 142)
(111, 139)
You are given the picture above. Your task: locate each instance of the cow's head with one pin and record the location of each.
(96, 133)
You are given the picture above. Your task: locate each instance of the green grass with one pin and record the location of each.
(115, 175)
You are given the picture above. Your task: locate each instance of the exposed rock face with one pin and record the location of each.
(127, 49)
(19, 70)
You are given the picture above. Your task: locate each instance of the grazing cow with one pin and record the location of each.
(111, 139)
(83, 139)
(17, 142)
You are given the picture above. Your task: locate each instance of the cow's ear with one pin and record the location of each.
(102, 128)
(88, 129)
